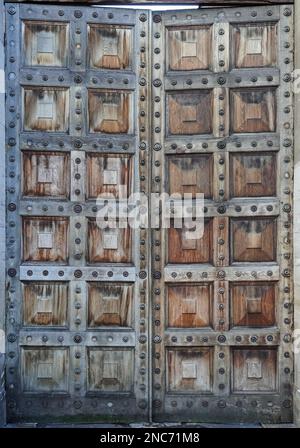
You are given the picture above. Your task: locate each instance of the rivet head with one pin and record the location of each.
(142, 339)
(157, 83)
(156, 18)
(157, 339)
(143, 17)
(157, 275)
(77, 79)
(221, 80)
(142, 404)
(77, 338)
(12, 272)
(221, 209)
(287, 208)
(287, 12)
(77, 14)
(222, 338)
(221, 145)
(11, 337)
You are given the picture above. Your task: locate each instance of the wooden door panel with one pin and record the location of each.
(189, 48)
(255, 45)
(110, 47)
(110, 370)
(46, 109)
(110, 112)
(190, 175)
(222, 125)
(78, 130)
(109, 174)
(182, 249)
(110, 305)
(45, 239)
(45, 43)
(45, 369)
(108, 245)
(253, 175)
(254, 370)
(190, 306)
(190, 114)
(253, 240)
(253, 304)
(253, 110)
(189, 370)
(46, 174)
(45, 304)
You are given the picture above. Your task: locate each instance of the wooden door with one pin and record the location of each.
(77, 314)
(81, 122)
(222, 126)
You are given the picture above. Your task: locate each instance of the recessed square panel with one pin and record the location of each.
(46, 174)
(46, 109)
(189, 48)
(45, 370)
(252, 174)
(255, 45)
(184, 250)
(254, 370)
(110, 112)
(109, 174)
(189, 370)
(108, 245)
(110, 305)
(190, 112)
(110, 370)
(45, 303)
(190, 306)
(253, 304)
(45, 43)
(110, 47)
(190, 174)
(253, 110)
(253, 239)
(45, 239)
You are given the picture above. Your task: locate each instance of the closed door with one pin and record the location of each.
(130, 322)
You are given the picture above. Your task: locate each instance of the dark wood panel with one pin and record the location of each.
(110, 112)
(45, 239)
(45, 369)
(45, 303)
(253, 175)
(190, 306)
(182, 249)
(110, 305)
(189, 48)
(253, 110)
(46, 174)
(110, 370)
(109, 244)
(110, 47)
(253, 239)
(190, 174)
(253, 304)
(109, 174)
(254, 370)
(189, 370)
(46, 109)
(45, 43)
(190, 112)
(254, 45)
